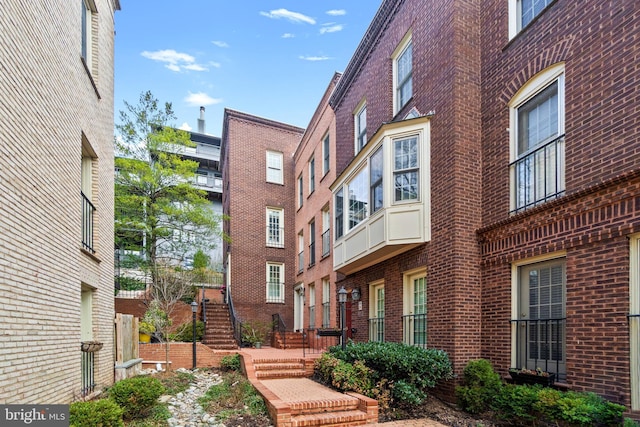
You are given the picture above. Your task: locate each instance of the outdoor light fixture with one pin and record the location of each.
(355, 294)
(342, 299)
(194, 310)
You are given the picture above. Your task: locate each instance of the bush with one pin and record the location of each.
(104, 412)
(480, 384)
(230, 363)
(184, 333)
(137, 395)
(396, 361)
(515, 403)
(356, 377)
(323, 368)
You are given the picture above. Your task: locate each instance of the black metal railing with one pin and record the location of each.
(414, 329)
(316, 341)
(275, 237)
(376, 329)
(326, 243)
(87, 223)
(88, 380)
(539, 176)
(300, 261)
(275, 292)
(312, 253)
(235, 323)
(279, 327)
(540, 344)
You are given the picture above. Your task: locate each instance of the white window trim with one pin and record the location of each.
(515, 294)
(280, 179)
(326, 153)
(312, 174)
(530, 89)
(408, 278)
(300, 192)
(402, 46)
(281, 298)
(280, 213)
(514, 18)
(90, 9)
(361, 108)
(634, 323)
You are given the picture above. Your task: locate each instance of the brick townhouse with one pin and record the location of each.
(56, 187)
(487, 200)
(314, 161)
(256, 158)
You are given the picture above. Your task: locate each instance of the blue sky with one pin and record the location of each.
(273, 59)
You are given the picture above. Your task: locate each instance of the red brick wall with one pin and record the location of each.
(181, 355)
(246, 139)
(602, 206)
(323, 122)
(446, 80)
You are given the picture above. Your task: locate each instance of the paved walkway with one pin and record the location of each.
(303, 389)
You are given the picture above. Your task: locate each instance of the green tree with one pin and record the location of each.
(157, 208)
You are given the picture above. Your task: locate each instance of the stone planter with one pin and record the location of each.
(91, 346)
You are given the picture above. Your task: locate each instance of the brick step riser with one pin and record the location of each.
(323, 407)
(275, 375)
(345, 418)
(279, 367)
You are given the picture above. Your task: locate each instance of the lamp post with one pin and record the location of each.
(342, 299)
(194, 309)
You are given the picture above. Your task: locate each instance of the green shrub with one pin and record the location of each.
(137, 395)
(323, 368)
(407, 394)
(230, 362)
(628, 422)
(397, 361)
(184, 333)
(352, 377)
(515, 403)
(480, 384)
(103, 412)
(131, 283)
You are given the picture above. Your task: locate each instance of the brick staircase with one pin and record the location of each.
(294, 400)
(219, 331)
(287, 340)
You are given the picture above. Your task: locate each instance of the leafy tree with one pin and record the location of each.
(157, 208)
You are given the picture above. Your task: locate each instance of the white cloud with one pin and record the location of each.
(314, 58)
(175, 61)
(201, 99)
(336, 12)
(288, 36)
(287, 14)
(185, 126)
(331, 28)
(220, 43)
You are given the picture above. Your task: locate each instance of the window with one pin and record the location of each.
(300, 192)
(86, 194)
(540, 325)
(275, 227)
(361, 128)
(326, 155)
(274, 167)
(300, 252)
(415, 309)
(376, 312)
(275, 282)
(358, 198)
(526, 10)
(312, 305)
(634, 319)
(88, 9)
(403, 72)
(537, 114)
(326, 235)
(377, 193)
(339, 209)
(312, 243)
(312, 175)
(326, 303)
(405, 170)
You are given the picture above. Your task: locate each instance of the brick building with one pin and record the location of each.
(56, 187)
(315, 170)
(487, 200)
(258, 176)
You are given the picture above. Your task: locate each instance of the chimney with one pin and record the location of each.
(201, 121)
